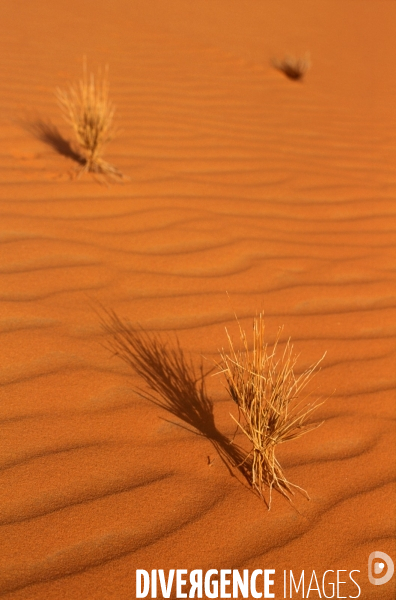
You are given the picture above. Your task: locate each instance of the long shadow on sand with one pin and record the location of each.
(48, 133)
(177, 387)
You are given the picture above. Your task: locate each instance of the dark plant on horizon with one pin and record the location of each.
(293, 67)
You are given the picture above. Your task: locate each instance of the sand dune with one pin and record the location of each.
(280, 193)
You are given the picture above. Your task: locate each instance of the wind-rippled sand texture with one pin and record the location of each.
(282, 194)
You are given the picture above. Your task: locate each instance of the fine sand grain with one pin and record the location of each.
(281, 193)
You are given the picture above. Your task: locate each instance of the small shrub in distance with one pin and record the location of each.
(293, 67)
(88, 110)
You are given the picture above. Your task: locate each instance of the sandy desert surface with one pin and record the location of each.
(280, 193)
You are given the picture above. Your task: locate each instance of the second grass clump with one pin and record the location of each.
(272, 409)
(88, 110)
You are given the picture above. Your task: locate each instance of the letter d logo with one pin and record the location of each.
(379, 567)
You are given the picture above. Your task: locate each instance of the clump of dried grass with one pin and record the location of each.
(88, 110)
(293, 67)
(264, 385)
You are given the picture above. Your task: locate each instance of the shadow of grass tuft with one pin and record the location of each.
(48, 133)
(175, 383)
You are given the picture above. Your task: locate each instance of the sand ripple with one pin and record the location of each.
(280, 194)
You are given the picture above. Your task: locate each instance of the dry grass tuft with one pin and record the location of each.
(88, 110)
(271, 411)
(293, 67)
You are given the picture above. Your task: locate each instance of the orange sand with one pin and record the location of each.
(282, 194)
